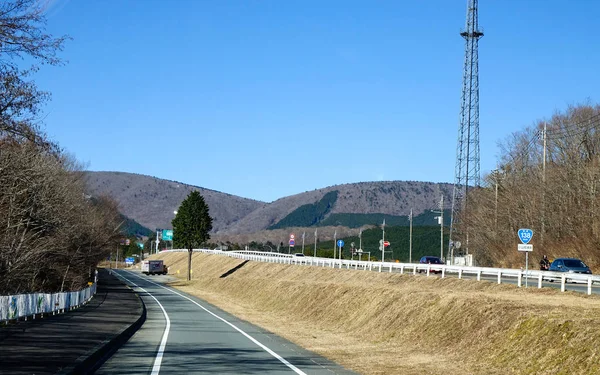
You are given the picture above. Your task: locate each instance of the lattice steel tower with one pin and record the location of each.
(467, 149)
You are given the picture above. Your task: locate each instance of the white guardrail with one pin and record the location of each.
(534, 276)
(29, 305)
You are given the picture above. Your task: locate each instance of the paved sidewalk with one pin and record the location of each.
(77, 341)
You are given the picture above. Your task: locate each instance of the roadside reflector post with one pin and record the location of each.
(380, 266)
(460, 273)
(414, 270)
(478, 275)
(589, 285)
(540, 280)
(428, 268)
(563, 281)
(401, 269)
(499, 277)
(443, 272)
(520, 279)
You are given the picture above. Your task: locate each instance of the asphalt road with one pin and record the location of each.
(185, 335)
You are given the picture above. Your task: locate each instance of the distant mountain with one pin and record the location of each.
(322, 206)
(151, 201)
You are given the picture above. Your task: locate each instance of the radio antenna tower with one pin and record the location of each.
(467, 149)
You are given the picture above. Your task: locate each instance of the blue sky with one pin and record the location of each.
(265, 99)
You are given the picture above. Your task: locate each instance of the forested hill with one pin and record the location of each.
(151, 201)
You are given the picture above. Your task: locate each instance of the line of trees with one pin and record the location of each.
(52, 235)
(559, 198)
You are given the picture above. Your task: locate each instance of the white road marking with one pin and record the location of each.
(264, 347)
(163, 342)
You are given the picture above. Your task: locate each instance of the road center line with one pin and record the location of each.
(163, 342)
(264, 347)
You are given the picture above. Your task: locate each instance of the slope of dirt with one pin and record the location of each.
(381, 323)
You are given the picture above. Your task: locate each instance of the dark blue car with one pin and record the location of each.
(431, 260)
(571, 265)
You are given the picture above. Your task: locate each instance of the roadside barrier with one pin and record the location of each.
(535, 277)
(26, 306)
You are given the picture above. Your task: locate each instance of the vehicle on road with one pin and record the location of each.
(154, 267)
(298, 255)
(431, 260)
(569, 265)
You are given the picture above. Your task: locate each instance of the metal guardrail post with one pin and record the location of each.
(478, 275)
(460, 273)
(589, 290)
(520, 279)
(414, 270)
(540, 279)
(563, 281)
(443, 272)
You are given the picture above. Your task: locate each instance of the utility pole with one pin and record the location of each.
(303, 234)
(467, 149)
(543, 186)
(383, 242)
(157, 240)
(360, 239)
(410, 219)
(334, 243)
(441, 222)
(496, 203)
(315, 242)
(442, 227)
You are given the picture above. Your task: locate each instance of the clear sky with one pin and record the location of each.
(269, 98)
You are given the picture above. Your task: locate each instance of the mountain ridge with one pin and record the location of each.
(151, 201)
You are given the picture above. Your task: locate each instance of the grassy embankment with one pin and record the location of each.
(381, 323)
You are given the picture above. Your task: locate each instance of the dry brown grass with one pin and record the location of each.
(381, 323)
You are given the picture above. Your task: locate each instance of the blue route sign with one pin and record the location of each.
(340, 243)
(525, 235)
(292, 242)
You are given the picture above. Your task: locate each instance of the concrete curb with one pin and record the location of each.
(94, 358)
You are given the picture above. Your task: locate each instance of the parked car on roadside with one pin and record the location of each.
(431, 260)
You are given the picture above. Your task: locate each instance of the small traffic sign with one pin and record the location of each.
(340, 243)
(525, 235)
(292, 242)
(524, 247)
(386, 243)
(292, 236)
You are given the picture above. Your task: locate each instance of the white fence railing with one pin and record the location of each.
(521, 276)
(30, 305)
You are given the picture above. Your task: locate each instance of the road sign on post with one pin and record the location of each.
(167, 234)
(525, 235)
(292, 242)
(340, 243)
